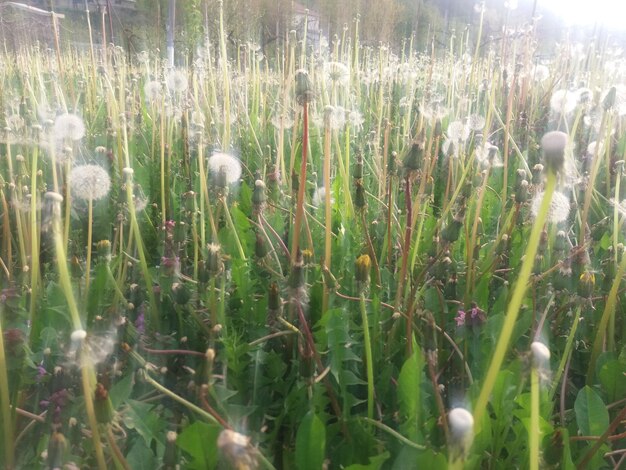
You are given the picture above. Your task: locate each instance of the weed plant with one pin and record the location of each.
(337, 256)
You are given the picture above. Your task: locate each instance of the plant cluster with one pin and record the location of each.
(347, 257)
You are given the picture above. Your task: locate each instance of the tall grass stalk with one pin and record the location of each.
(5, 401)
(607, 314)
(534, 431)
(86, 370)
(480, 407)
(367, 344)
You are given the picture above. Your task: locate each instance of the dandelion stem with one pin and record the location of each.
(7, 416)
(515, 303)
(89, 236)
(367, 344)
(609, 311)
(534, 431)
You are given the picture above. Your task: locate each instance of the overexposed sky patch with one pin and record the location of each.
(610, 13)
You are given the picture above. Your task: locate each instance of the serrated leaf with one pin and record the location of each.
(591, 413)
(139, 416)
(310, 443)
(120, 392)
(199, 440)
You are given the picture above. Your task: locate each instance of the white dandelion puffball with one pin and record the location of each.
(541, 353)
(152, 91)
(461, 423)
(319, 197)
(563, 101)
(476, 122)
(337, 72)
(89, 182)
(78, 335)
(540, 73)
(559, 206)
(231, 166)
(458, 132)
(176, 81)
(68, 126)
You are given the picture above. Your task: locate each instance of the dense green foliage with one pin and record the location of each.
(319, 257)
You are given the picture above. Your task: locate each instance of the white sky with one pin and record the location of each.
(611, 13)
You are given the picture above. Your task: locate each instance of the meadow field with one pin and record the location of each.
(319, 255)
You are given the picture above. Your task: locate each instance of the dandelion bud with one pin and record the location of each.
(553, 145)
(103, 248)
(363, 267)
(461, 431)
(214, 259)
(102, 405)
(391, 163)
(537, 171)
(57, 445)
(357, 174)
(181, 293)
(541, 354)
(359, 196)
(258, 195)
(413, 159)
(586, 283)
(76, 269)
(451, 231)
(609, 100)
(260, 247)
(560, 242)
(235, 450)
(274, 304)
(170, 455)
(304, 87)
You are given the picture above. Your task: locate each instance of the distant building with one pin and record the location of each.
(80, 4)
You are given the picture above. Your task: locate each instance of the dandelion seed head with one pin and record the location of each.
(176, 81)
(68, 126)
(461, 423)
(563, 101)
(337, 73)
(355, 118)
(78, 335)
(558, 210)
(540, 73)
(319, 197)
(458, 132)
(89, 182)
(283, 120)
(223, 162)
(152, 91)
(541, 353)
(475, 122)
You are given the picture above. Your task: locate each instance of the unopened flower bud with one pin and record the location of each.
(553, 145)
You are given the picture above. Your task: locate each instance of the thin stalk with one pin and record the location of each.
(5, 402)
(367, 344)
(134, 225)
(233, 229)
(514, 305)
(300, 203)
(534, 431)
(87, 373)
(607, 314)
(566, 354)
(89, 237)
